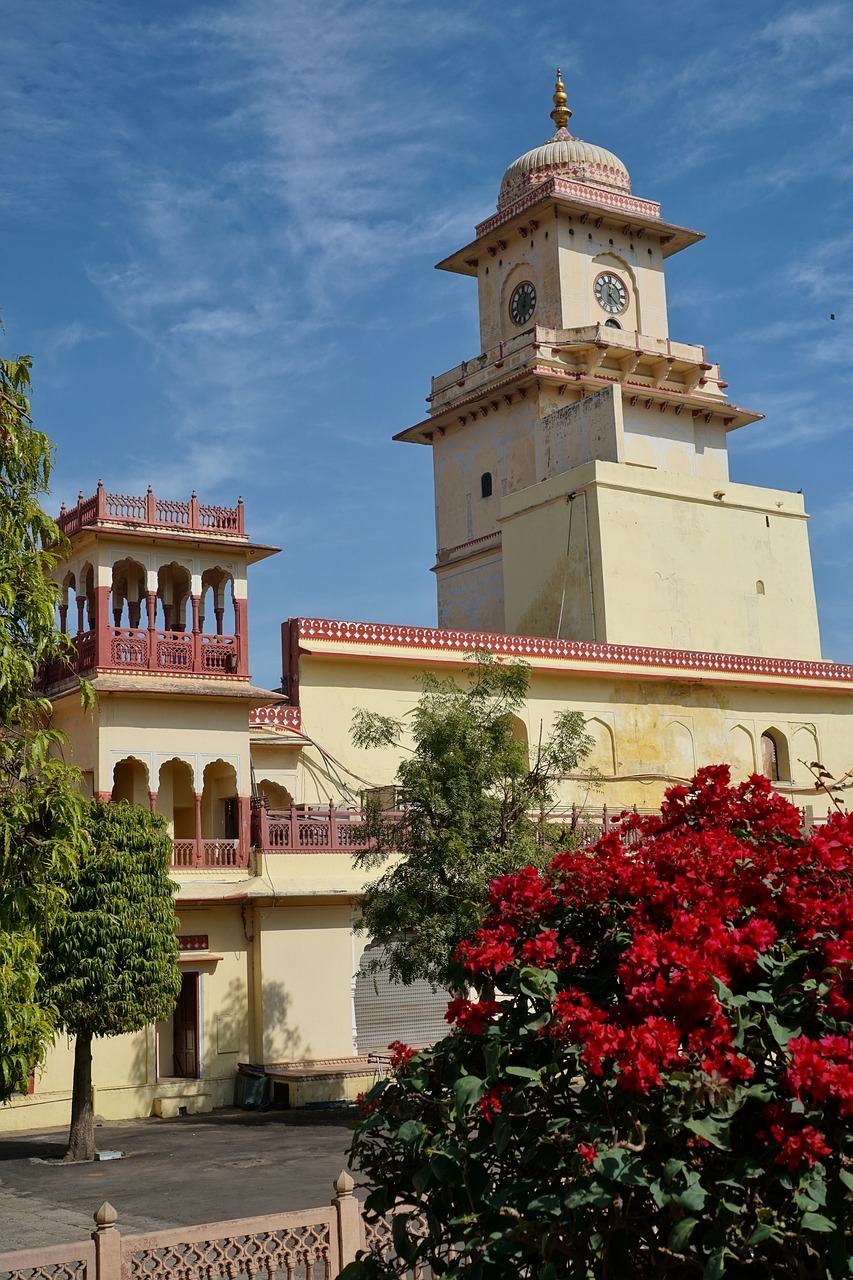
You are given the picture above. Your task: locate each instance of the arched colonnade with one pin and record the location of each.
(209, 824)
(170, 619)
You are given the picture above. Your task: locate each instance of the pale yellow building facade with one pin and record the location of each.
(586, 524)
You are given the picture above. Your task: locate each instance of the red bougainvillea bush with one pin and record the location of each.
(651, 1073)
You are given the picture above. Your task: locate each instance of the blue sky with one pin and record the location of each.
(219, 223)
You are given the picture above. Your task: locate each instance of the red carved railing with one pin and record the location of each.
(340, 831)
(298, 831)
(129, 649)
(191, 854)
(122, 508)
(219, 654)
(332, 830)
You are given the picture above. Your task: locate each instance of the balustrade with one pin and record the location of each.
(194, 854)
(332, 830)
(131, 649)
(146, 509)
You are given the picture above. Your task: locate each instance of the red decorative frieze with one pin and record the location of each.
(193, 942)
(530, 648)
(632, 205)
(277, 717)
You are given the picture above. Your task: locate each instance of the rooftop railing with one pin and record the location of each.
(149, 511)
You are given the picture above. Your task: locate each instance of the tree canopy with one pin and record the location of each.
(663, 1086)
(472, 788)
(41, 827)
(110, 962)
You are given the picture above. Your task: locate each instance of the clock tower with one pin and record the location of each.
(581, 472)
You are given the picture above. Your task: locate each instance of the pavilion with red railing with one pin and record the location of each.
(139, 624)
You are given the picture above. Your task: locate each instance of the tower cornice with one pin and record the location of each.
(556, 196)
(656, 373)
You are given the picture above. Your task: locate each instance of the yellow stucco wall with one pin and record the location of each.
(650, 728)
(674, 561)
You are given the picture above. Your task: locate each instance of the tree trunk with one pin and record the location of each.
(81, 1138)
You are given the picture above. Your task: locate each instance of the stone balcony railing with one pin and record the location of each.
(331, 831)
(194, 855)
(683, 366)
(138, 649)
(149, 511)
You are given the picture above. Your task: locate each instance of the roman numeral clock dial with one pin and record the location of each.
(611, 293)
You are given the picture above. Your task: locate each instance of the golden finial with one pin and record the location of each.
(561, 113)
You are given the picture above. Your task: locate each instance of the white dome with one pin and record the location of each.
(563, 157)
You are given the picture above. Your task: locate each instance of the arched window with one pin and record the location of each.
(612, 324)
(128, 592)
(486, 484)
(217, 596)
(769, 757)
(775, 761)
(130, 781)
(274, 794)
(759, 588)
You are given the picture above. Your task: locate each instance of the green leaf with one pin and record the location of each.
(410, 1131)
(816, 1222)
(467, 1091)
(526, 1073)
(547, 1204)
(404, 1246)
(446, 1168)
(711, 1130)
(783, 1031)
(680, 1234)
(715, 1267)
(846, 1178)
(762, 1232)
(693, 1198)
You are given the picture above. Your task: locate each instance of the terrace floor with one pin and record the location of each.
(194, 1169)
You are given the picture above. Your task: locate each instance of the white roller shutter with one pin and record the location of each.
(386, 1011)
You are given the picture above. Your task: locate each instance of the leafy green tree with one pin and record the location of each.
(41, 811)
(110, 962)
(470, 786)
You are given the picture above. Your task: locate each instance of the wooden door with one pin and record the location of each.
(185, 1027)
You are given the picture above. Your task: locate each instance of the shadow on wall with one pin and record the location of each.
(229, 1027)
(282, 1042)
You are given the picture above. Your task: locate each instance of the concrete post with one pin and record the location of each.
(107, 1240)
(349, 1218)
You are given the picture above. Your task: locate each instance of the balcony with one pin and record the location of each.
(295, 830)
(138, 649)
(198, 855)
(149, 511)
(648, 361)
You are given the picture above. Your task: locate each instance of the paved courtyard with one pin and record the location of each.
(231, 1164)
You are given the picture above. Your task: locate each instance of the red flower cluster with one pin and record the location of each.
(522, 896)
(490, 951)
(491, 1103)
(400, 1054)
(797, 1142)
(686, 909)
(471, 1017)
(821, 1070)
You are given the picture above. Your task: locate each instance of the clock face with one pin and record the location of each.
(522, 304)
(611, 293)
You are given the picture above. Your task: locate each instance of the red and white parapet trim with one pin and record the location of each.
(277, 717)
(531, 648)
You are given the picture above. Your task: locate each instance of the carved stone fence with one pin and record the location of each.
(309, 1244)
